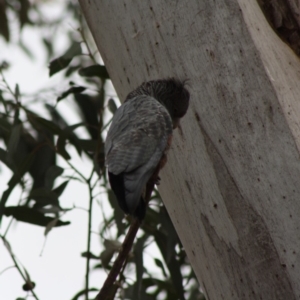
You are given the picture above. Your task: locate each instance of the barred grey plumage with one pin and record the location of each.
(139, 135)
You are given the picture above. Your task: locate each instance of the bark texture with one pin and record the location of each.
(284, 17)
(231, 184)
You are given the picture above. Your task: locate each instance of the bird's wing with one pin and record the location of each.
(138, 135)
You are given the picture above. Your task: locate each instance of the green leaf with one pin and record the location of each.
(50, 226)
(16, 177)
(168, 229)
(74, 50)
(46, 124)
(159, 263)
(27, 276)
(61, 147)
(5, 160)
(23, 12)
(90, 255)
(129, 292)
(112, 106)
(87, 145)
(94, 71)
(169, 253)
(44, 157)
(195, 293)
(44, 196)
(89, 109)
(22, 169)
(31, 216)
(139, 263)
(4, 30)
(5, 128)
(17, 92)
(72, 90)
(71, 69)
(52, 173)
(105, 257)
(111, 247)
(63, 61)
(59, 190)
(99, 158)
(67, 133)
(171, 262)
(14, 139)
(48, 45)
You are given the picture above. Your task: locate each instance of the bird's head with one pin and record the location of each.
(169, 92)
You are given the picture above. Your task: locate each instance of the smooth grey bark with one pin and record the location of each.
(231, 184)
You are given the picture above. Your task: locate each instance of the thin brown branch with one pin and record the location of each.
(108, 287)
(118, 264)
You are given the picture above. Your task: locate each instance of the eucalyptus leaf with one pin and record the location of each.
(94, 71)
(112, 105)
(31, 216)
(52, 173)
(50, 225)
(139, 266)
(48, 45)
(72, 90)
(16, 177)
(4, 158)
(59, 190)
(88, 107)
(44, 196)
(24, 12)
(14, 139)
(63, 61)
(159, 263)
(4, 27)
(44, 123)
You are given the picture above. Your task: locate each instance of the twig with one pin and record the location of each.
(87, 273)
(118, 264)
(107, 288)
(11, 267)
(90, 187)
(16, 264)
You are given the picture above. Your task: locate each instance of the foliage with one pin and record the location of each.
(35, 142)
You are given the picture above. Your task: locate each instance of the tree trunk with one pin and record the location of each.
(231, 184)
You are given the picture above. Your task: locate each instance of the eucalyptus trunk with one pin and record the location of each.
(231, 184)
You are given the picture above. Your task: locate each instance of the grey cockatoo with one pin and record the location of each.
(139, 136)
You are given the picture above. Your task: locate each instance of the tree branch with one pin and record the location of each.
(89, 237)
(108, 287)
(16, 265)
